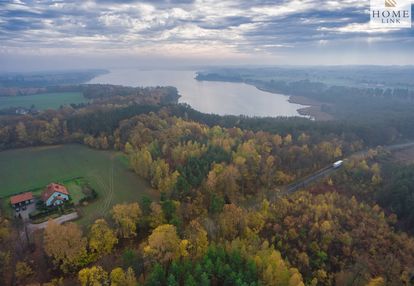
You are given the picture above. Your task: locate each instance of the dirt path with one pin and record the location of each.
(111, 188)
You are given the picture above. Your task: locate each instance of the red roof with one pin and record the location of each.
(51, 189)
(21, 198)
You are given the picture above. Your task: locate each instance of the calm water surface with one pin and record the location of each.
(210, 97)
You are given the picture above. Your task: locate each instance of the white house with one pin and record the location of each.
(55, 195)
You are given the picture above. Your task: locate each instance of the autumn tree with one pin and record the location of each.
(247, 160)
(119, 277)
(102, 238)
(6, 251)
(94, 276)
(161, 177)
(66, 245)
(128, 148)
(230, 221)
(287, 139)
(376, 171)
(54, 282)
(51, 131)
(197, 238)
(274, 271)
(182, 152)
(303, 138)
(254, 222)
(21, 132)
(277, 140)
(378, 281)
(167, 184)
(23, 271)
(90, 141)
(340, 230)
(157, 216)
(141, 161)
(159, 171)
(223, 180)
(283, 178)
(164, 245)
(126, 217)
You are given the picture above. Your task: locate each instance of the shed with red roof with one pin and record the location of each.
(21, 199)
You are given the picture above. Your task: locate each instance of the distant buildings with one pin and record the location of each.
(22, 111)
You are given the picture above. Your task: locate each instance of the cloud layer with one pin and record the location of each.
(232, 29)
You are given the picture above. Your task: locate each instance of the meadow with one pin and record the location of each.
(42, 101)
(105, 171)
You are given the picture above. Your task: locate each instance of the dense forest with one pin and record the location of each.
(217, 222)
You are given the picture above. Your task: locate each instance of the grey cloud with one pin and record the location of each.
(243, 25)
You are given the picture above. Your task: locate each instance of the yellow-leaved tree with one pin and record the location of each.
(102, 238)
(231, 221)
(164, 245)
(378, 281)
(22, 272)
(197, 239)
(126, 218)
(66, 245)
(119, 277)
(94, 276)
(273, 270)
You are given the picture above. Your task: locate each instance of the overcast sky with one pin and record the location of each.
(108, 33)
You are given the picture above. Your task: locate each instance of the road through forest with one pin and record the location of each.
(330, 169)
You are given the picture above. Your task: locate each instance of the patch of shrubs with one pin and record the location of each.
(90, 194)
(42, 211)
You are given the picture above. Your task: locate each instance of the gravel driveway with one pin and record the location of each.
(31, 227)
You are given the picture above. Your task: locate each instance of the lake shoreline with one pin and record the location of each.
(311, 108)
(314, 108)
(221, 98)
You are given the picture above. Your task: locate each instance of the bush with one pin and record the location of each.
(37, 214)
(47, 211)
(90, 194)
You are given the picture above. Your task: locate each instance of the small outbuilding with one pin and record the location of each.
(54, 195)
(21, 200)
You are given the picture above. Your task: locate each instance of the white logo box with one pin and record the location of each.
(390, 14)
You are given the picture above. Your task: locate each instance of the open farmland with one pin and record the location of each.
(105, 171)
(42, 101)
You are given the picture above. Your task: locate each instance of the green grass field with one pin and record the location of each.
(32, 168)
(42, 101)
(75, 189)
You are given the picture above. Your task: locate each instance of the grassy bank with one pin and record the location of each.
(42, 101)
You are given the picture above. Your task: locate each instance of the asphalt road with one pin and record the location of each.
(322, 173)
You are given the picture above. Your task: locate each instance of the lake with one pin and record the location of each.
(207, 96)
